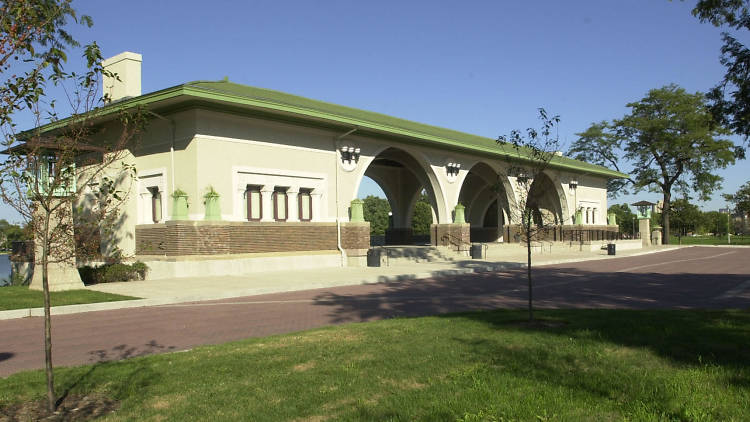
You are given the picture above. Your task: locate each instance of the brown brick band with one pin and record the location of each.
(176, 238)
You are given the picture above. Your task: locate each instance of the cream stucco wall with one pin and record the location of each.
(195, 149)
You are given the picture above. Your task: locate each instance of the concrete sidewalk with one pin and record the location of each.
(188, 289)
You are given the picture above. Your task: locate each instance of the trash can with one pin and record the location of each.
(476, 251)
(373, 257)
(610, 248)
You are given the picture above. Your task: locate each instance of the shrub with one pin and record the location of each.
(109, 273)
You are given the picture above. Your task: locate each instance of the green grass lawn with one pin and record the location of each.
(710, 240)
(20, 297)
(584, 365)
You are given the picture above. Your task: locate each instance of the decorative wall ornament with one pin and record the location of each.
(349, 157)
(451, 170)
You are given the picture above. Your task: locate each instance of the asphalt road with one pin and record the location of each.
(699, 277)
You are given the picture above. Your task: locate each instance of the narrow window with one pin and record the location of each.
(593, 216)
(588, 212)
(254, 207)
(305, 205)
(155, 204)
(280, 204)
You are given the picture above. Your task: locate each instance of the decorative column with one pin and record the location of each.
(62, 272)
(266, 198)
(293, 208)
(315, 198)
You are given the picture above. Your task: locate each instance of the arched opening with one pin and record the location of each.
(407, 196)
(486, 203)
(544, 202)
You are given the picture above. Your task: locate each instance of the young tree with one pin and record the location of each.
(532, 152)
(669, 140)
(53, 167)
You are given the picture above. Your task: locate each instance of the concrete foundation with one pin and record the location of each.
(232, 265)
(644, 229)
(61, 276)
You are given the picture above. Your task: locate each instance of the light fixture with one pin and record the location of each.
(452, 169)
(573, 184)
(349, 154)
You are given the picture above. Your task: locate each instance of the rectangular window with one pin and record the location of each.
(280, 204)
(305, 205)
(155, 204)
(254, 207)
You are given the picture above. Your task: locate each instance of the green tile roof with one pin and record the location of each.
(377, 121)
(300, 108)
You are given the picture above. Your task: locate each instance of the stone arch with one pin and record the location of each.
(546, 200)
(482, 186)
(402, 176)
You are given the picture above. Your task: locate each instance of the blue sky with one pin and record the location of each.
(479, 67)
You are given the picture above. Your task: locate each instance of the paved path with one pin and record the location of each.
(696, 277)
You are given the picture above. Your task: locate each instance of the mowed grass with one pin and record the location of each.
(710, 240)
(20, 297)
(582, 365)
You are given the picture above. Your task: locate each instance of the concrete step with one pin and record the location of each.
(399, 255)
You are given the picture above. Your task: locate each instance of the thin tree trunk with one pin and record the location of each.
(51, 400)
(528, 270)
(665, 217)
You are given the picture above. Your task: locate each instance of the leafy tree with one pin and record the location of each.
(685, 217)
(670, 140)
(730, 98)
(376, 211)
(10, 233)
(624, 217)
(740, 199)
(531, 153)
(422, 218)
(716, 223)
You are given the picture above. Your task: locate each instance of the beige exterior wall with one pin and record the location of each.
(228, 151)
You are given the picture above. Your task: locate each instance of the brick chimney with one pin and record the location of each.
(127, 67)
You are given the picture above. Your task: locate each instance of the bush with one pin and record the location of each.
(109, 273)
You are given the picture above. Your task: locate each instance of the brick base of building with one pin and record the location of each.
(566, 233)
(454, 235)
(185, 238)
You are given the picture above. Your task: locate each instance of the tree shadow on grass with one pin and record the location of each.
(629, 309)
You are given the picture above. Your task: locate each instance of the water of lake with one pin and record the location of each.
(4, 269)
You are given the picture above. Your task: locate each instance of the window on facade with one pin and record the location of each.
(254, 203)
(305, 205)
(280, 204)
(155, 204)
(593, 216)
(588, 212)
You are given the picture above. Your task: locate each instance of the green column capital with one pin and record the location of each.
(357, 211)
(459, 216)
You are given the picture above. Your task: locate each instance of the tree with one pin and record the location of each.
(51, 168)
(670, 140)
(740, 199)
(625, 218)
(730, 98)
(716, 223)
(685, 217)
(375, 210)
(422, 218)
(10, 233)
(531, 153)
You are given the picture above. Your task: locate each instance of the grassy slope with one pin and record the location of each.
(599, 365)
(20, 297)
